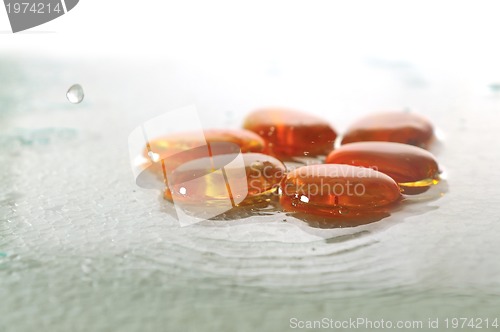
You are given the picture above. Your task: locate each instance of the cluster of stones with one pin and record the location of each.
(380, 159)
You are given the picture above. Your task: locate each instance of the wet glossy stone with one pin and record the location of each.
(399, 127)
(333, 190)
(171, 144)
(410, 166)
(168, 152)
(195, 184)
(291, 133)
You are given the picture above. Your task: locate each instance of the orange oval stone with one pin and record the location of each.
(399, 127)
(196, 184)
(168, 152)
(291, 133)
(247, 140)
(338, 191)
(408, 165)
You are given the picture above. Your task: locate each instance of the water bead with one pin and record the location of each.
(399, 127)
(75, 94)
(194, 184)
(290, 133)
(411, 167)
(333, 190)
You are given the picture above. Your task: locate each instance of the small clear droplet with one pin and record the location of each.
(343, 211)
(75, 94)
(257, 165)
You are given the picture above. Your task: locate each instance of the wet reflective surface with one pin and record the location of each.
(82, 245)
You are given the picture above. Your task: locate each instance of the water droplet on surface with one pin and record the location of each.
(343, 211)
(304, 199)
(155, 157)
(75, 94)
(257, 165)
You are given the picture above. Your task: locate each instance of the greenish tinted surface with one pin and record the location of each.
(83, 249)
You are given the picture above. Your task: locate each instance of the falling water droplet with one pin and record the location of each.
(75, 94)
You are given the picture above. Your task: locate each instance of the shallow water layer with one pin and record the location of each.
(83, 248)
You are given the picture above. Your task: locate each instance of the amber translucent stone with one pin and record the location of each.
(399, 127)
(408, 165)
(245, 139)
(291, 133)
(338, 191)
(260, 179)
(170, 151)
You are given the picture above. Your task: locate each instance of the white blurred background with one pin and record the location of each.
(444, 35)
